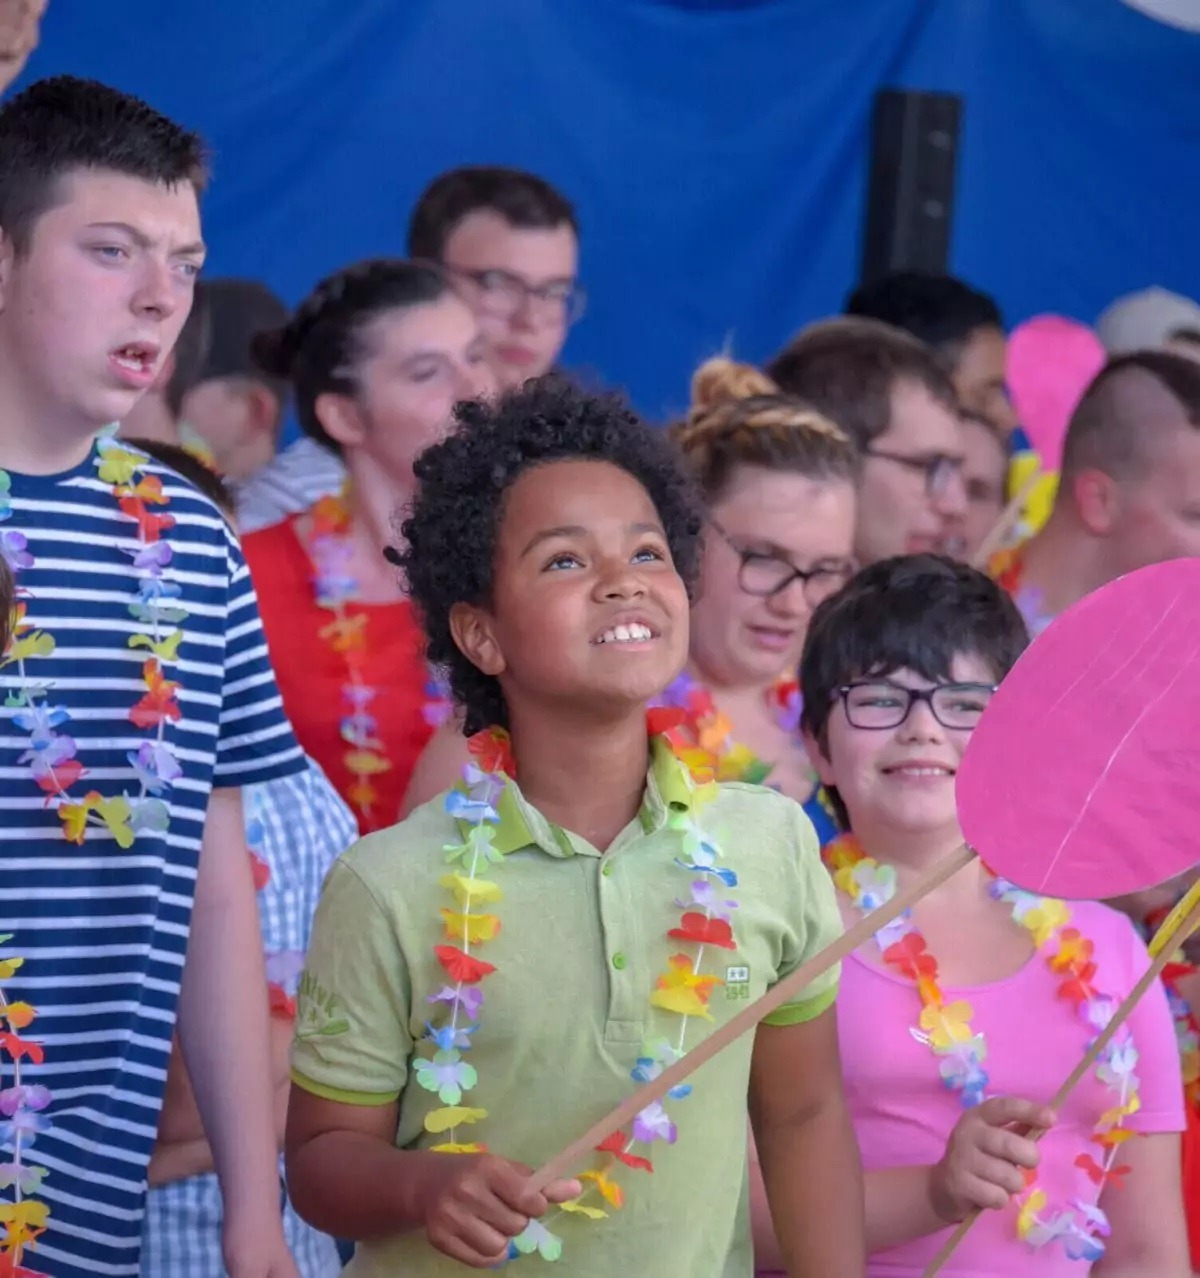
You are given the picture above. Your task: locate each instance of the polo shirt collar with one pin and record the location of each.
(669, 789)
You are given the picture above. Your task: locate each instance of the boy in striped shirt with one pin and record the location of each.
(137, 699)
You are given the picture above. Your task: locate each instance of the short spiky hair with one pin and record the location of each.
(64, 124)
(524, 200)
(463, 483)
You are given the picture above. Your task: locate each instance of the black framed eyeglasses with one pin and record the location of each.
(501, 293)
(878, 704)
(939, 469)
(763, 574)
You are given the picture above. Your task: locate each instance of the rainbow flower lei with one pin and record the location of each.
(55, 768)
(961, 1049)
(329, 550)
(705, 741)
(684, 989)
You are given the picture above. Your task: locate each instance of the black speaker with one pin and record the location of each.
(910, 200)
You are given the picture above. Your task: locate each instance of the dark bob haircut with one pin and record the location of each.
(911, 612)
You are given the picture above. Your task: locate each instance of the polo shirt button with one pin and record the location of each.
(606, 869)
(618, 961)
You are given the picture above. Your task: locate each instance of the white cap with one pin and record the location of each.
(1145, 321)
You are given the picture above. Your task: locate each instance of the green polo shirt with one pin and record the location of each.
(582, 943)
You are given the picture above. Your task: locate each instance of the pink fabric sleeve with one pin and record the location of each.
(1158, 1068)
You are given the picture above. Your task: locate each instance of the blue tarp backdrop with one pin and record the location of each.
(716, 149)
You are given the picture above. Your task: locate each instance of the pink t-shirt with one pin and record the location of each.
(903, 1114)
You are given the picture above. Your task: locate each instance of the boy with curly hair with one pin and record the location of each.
(499, 970)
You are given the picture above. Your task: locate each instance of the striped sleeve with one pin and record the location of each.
(255, 741)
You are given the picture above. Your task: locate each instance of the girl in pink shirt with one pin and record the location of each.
(958, 1021)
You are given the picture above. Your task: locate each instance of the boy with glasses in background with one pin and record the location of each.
(887, 393)
(510, 243)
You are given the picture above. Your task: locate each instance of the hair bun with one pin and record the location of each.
(721, 380)
(273, 351)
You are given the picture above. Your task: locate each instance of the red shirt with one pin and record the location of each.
(312, 675)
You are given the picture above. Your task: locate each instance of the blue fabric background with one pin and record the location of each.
(716, 149)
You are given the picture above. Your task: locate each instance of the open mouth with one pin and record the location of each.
(136, 357)
(632, 632)
(919, 770)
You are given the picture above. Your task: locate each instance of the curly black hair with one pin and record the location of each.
(449, 537)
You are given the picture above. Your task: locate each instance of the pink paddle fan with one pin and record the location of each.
(1050, 361)
(1082, 781)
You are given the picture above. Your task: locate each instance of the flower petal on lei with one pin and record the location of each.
(537, 1238)
(577, 1208)
(704, 931)
(471, 928)
(609, 1190)
(461, 966)
(451, 1116)
(617, 1145)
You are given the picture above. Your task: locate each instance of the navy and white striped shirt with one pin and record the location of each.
(103, 929)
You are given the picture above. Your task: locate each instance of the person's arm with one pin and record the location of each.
(1149, 1235)
(1145, 1207)
(439, 767)
(807, 1149)
(182, 1150)
(982, 1167)
(223, 1018)
(347, 1178)
(178, 1160)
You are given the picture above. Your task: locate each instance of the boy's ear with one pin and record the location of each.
(262, 408)
(471, 630)
(817, 757)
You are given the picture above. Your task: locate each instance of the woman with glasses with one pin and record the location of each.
(779, 482)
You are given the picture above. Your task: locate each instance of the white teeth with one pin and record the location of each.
(923, 772)
(633, 633)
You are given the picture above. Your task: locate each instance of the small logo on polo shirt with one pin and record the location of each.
(737, 983)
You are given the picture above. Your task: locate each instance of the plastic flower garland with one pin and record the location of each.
(330, 552)
(683, 989)
(1007, 570)
(705, 740)
(961, 1048)
(55, 769)
(24, 1219)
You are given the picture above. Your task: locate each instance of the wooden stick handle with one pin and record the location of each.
(1120, 1016)
(748, 1017)
(1007, 519)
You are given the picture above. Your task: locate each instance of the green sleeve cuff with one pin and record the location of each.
(342, 1097)
(809, 1010)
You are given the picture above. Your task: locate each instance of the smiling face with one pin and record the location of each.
(90, 312)
(744, 639)
(899, 782)
(588, 617)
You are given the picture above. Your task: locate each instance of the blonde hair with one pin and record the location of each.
(739, 417)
